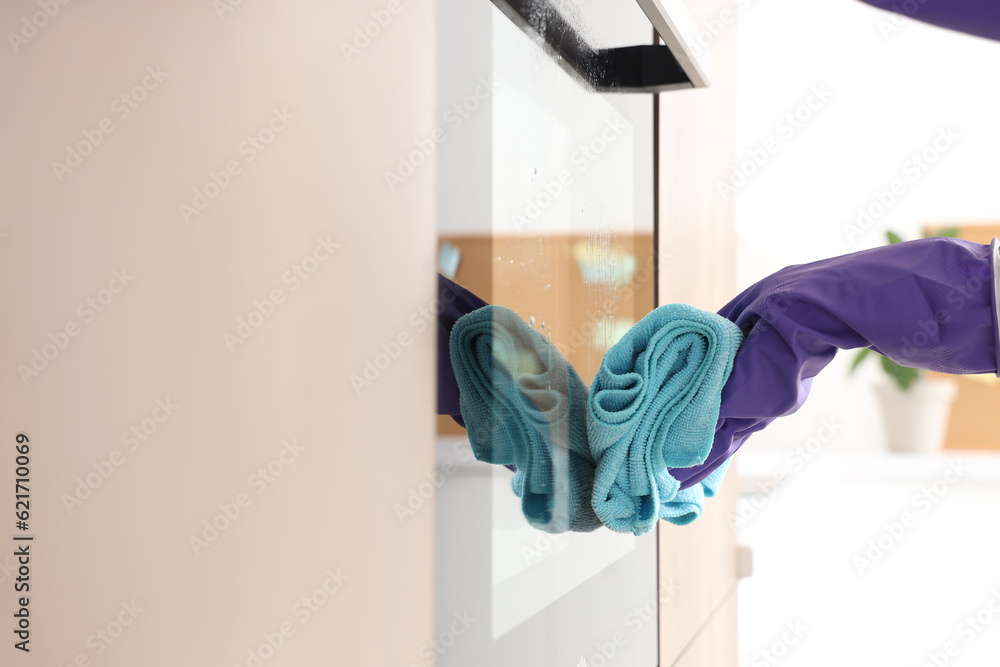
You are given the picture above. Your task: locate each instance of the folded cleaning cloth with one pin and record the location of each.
(524, 404)
(689, 503)
(654, 404)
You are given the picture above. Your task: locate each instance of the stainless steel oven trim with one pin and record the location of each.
(675, 26)
(645, 68)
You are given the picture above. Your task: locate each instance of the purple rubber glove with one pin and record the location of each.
(454, 301)
(975, 17)
(925, 304)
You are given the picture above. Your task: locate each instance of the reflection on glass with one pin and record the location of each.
(564, 240)
(565, 233)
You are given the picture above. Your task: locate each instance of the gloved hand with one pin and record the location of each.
(925, 304)
(454, 301)
(976, 17)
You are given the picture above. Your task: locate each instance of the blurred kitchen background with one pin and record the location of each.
(825, 490)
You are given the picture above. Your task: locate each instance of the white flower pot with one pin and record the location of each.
(916, 420)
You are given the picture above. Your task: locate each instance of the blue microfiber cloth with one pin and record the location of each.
(523, 403)
(689, 503)
(654, 404)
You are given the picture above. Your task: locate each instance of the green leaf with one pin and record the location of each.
(858, 359)
(906, 377)
(948, 232)
(903, 375)
(893, 237)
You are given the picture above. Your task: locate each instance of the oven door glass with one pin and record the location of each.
(546, 200)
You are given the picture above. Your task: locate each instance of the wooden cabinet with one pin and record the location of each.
(697, 250)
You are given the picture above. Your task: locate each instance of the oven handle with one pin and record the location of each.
(648, 68)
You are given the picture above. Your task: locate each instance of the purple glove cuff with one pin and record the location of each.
(995, 263)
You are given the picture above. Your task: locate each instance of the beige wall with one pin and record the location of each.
(160, 333)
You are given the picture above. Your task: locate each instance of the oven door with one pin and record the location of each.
(545, 153)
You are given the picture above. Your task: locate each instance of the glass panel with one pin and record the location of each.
(564, 238)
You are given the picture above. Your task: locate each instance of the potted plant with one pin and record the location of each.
(915, 409)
